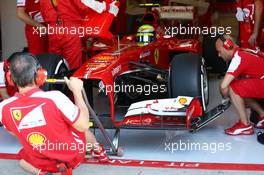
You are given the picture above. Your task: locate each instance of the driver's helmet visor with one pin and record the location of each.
(145, 38)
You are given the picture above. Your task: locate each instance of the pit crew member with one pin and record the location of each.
(29, 12)
(3, 91)
(243, 83)
(249, 15)
(44, 121)
(70, 14)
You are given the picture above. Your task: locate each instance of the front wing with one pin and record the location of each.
(175, 113)
(162, 113)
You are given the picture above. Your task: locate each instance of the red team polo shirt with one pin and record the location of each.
(36, 44)
(32, 8)
(42, 121)
(71, 10)
(250, 66)
(246, 16)
(10, 90)
(71, 14)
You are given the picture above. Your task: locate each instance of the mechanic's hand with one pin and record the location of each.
(253, 39)
(74, 84)
(113, 9)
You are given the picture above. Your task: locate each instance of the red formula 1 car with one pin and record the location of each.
(146, 81)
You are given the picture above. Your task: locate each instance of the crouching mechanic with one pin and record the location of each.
(51, 129)
(243, 83)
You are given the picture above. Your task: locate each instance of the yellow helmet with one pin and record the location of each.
(145, 35)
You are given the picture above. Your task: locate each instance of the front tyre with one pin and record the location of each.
(56, 67)
(188, 77)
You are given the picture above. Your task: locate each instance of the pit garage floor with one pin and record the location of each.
(208, 151)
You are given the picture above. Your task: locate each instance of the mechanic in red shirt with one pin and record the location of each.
(249, 15)
(6, 90)
(29, 12)
(3, 90)
(243, 83)
(49, 126)
(70, 14)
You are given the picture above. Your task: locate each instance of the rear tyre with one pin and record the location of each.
(188, 77)
(56, 67)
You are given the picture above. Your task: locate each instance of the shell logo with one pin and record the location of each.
(36, 139)
(182, 101)
(17, 115)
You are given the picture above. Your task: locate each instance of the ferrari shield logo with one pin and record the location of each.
(156, 56)
(17, 115)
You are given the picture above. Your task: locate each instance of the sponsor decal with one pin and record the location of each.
(100, 61)
(116, 70)
(186, 44)
(95, 65)
(182, 101)
(105, 58)
(88, 72)
(147, 121)
(36, 139)
(28, 116)
(90, 67)
(17, 115)
(138, 121)
(33, 118)
(170, 108)
(156, 56)
(145, 54)
(176, 12)
(176, 9)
